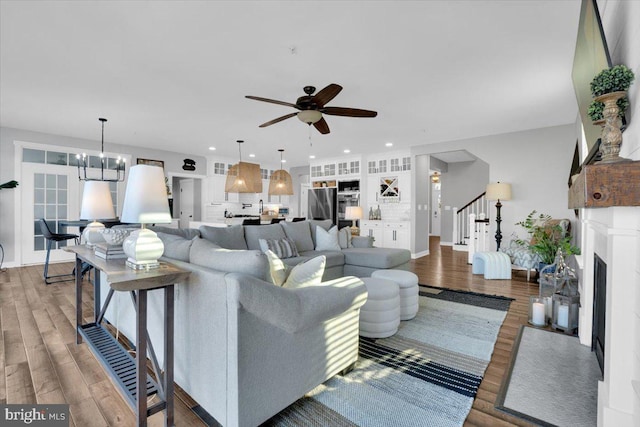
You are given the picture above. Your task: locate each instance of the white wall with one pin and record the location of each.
(536, 163)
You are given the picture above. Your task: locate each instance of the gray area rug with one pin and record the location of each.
(427, 374)
(553, 380)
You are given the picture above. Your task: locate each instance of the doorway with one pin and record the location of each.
(436, 209)
(187, 207)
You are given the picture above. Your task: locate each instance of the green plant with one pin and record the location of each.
(545, 238)
(596, 108)
(9, 184)
(613, 79)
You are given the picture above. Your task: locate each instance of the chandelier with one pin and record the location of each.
(117, 165)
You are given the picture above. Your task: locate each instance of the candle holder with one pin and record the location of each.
(537, 311)
(565, 313)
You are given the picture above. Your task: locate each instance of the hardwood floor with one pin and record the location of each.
(40, 362)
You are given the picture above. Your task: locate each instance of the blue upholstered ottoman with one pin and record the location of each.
(494, 265)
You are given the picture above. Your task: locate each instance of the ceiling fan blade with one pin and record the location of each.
(279, 119)
(322, 126)
(348, 112)
(272, 101)
(326, 94)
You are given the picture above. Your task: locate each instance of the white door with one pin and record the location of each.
(304, 200)
(435, 209)
(51, 192)
(186, 202)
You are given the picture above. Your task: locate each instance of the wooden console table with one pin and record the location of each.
(118, 363)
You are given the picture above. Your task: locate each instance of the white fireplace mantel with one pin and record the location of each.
(614, 235)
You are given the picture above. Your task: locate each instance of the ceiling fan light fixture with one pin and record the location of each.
(309, 116)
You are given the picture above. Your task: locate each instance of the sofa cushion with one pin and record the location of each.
(207, 254)
(225, 237)
(376, 257)
(327, 240)
(324, 223)
(333, 258)
(175, 246)
(187, 233)
(257, 232)
(282, 248)
(344, 237)
(308, 273)
(300, 233)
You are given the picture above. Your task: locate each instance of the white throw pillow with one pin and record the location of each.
(277, 269)
(344, 238)
(308, 273)
(327, 240)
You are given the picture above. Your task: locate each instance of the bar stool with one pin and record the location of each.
(55, 237)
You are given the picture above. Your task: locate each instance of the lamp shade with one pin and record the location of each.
(353, 212)
(145, 199)
(280, 183)
(96, 201)
(498, 191)
(244, 177)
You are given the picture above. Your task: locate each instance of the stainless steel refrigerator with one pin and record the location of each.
(323, 204)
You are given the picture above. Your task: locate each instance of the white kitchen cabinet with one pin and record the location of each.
(216, 190)
(372, 229)
(396, 235)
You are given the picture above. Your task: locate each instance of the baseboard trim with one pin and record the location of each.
(419, 254)
(446, 243)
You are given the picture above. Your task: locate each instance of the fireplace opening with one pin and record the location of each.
(599, 309)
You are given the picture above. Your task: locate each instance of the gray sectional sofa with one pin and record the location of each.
(360, 259)
(244, 348)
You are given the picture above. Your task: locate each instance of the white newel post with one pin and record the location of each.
(614, 234)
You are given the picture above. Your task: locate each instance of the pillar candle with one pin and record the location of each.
(537, 313)
(548, 305)
(563, 316)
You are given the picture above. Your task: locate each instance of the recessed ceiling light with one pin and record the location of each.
(252, 155)
(347, 151)
(312, 156)
(283, 161)
(212, 148)
(389, 144)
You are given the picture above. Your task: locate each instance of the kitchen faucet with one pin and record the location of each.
(261, 206)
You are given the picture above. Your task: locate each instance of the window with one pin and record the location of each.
(51, 203)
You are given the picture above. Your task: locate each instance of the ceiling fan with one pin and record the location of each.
(312, 107)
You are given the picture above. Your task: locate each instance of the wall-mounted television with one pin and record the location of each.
(591, 57)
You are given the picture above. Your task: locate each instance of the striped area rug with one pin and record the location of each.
(425, 375)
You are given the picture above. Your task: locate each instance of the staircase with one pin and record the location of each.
(471, 227)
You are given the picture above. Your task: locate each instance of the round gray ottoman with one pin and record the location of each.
(408, 283)
(380, 315)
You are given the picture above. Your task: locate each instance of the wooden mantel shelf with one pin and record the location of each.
(604, 185)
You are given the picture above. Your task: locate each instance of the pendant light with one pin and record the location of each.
(280, 183)
(84, 162)
(243, 177)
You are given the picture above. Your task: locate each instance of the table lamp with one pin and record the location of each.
(96, 204)
(498, 191)
(145, 202)
(354, 213)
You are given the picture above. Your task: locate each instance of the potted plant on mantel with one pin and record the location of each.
(546, 238)
(609, 87)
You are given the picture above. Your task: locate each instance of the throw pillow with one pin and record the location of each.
(344, 238)
(308, 273)
(327, 240)
(283, 248)
(226, 237)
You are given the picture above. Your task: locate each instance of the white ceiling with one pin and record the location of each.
(173, 75)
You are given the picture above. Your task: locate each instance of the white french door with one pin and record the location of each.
(51, 192)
